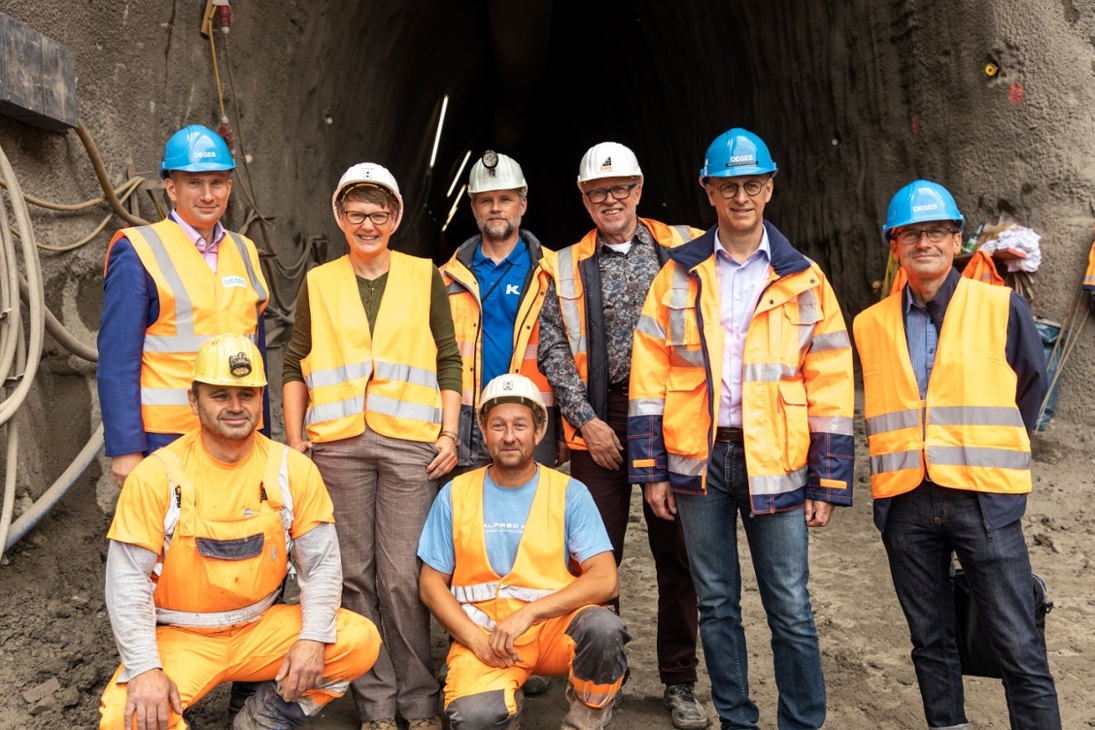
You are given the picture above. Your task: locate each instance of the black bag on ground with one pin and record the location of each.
(974, 649)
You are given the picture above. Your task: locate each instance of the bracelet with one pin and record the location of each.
(450, 434)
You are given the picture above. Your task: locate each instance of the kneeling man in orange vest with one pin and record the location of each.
(516, 562)
(199, 548)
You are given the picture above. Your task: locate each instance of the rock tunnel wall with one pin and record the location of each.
(855, 98)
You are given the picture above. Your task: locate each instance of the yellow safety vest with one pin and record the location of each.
(385, 375)
(968, 432)
(572, 301)
(195, 304)
(540, 568)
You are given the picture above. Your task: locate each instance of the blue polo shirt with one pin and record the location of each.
(500, 288)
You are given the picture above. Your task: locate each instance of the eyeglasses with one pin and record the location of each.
(356, 218)
(729, 191)
(619, 192)
(912, 237)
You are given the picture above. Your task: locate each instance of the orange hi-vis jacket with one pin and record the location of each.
(797, 390)
(967, 433)
(467, 316)
(216, 572)
(541, 565)
(384, 375)
(1089, 277)
(576, 297)
(195, 304)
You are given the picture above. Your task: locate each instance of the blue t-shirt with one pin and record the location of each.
(500, 286)
(505, 511)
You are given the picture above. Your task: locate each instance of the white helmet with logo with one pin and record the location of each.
(495, 171)
(512, 388)
(368, 174)
(608, 159)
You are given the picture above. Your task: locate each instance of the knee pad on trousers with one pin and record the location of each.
(599, 636)
(483, 711)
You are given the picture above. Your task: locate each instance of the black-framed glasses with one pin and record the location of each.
(729, 191)
(619, 192)
(356, 218)
(935, 235)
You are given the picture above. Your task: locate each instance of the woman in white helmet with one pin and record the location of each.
(371, 384)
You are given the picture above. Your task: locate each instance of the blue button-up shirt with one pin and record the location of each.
(740, 286)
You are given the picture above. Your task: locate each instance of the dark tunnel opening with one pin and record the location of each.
(665, 79)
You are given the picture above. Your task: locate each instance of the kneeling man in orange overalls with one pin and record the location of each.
(199, 548)
(516, 562)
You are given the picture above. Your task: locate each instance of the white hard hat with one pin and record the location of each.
(608, 159)
(368, 173)
(512, 388)
(495, 171)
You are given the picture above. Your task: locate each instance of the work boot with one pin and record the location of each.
(537, 685)
(424, 723)
(385, 723)
(266, 710)
(240, 692)
(581, 716)
(686, 711)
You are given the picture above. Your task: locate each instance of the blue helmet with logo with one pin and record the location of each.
(920, 201)
(734, 153)
(196, 149)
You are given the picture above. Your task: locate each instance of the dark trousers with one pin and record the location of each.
(923, 527)
(677, 613)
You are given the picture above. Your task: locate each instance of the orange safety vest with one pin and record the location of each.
(216, 572)
(385, 375)
(796, 379)
(572, 297)
(1089, 277)
(195, 304)
(467, 316)
(968, 432)
(540, 568)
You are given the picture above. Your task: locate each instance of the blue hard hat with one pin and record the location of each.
(920, 201)
(735, 153)
(196, 149)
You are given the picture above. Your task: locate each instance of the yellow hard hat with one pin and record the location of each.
(512, 388)
(230, 360)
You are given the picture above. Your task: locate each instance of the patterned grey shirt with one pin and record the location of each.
(625, 279)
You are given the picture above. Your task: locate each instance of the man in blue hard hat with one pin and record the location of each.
(953, 378)
(741, 402)
(167, 288)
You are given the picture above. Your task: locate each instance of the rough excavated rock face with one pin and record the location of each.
(854, 98)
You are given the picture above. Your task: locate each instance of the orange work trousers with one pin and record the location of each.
(197, 660)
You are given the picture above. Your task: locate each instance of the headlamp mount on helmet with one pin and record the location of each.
(239, 365)
(490, 161)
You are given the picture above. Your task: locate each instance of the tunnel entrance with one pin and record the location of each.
(665, 79)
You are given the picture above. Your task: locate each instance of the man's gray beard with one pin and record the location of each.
(508, 231)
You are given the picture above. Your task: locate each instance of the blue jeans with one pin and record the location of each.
(779, 547)
(922, 529)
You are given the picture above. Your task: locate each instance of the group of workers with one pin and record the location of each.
(712, 368)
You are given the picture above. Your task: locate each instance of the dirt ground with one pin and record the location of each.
(53, 625)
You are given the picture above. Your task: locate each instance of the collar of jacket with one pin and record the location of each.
(464, 254)
(786, 259)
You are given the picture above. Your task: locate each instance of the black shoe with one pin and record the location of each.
(241, 691)
(537, 685)
(686, 711)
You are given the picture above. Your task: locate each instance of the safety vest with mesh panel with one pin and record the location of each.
(384, 375)
(467, 316)
(540, 568)
(195, 304)
(572, 297)
(967, 433)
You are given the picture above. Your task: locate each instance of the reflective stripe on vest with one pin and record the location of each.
(540, 565)
(214, 619)
(385, 373)
(195, 304)
(968, 432)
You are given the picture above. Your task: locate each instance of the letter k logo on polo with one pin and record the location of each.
(513, 289)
